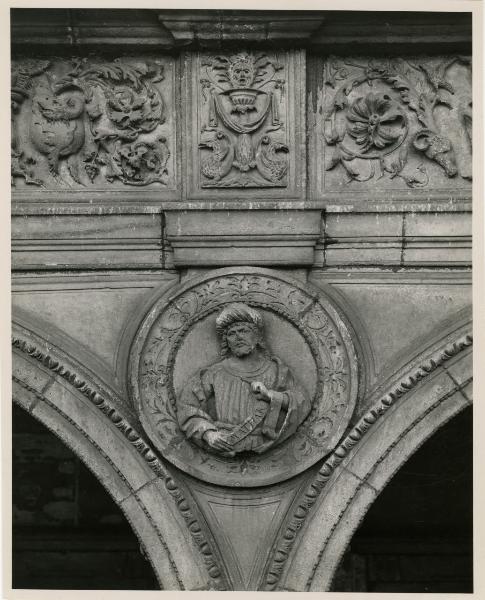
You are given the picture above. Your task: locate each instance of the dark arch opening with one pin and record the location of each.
(67, 531)
(418, 534)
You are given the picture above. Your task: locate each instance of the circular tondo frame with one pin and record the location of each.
(312, 315)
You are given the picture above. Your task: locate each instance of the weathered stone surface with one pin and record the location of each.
(337, 497)
(84, 242)
(391, 127)
(260, 237)
(431, 306)
(171, 526)
(245, 524)
(36, 379)
(149, 147)
(247, 134)
(93, 123)
(75, 312)
(177, 340)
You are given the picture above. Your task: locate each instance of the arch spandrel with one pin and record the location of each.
(169, 164)
(396, 425)
(50, 388)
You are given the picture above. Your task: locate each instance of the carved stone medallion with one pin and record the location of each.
(243, 377)
(244, 124)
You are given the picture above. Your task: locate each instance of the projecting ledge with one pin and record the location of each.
(265, 238)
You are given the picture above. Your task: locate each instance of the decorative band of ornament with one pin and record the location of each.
(121, 423)
(397, 129)
(83, 122)
(40, 397)
(314, 489)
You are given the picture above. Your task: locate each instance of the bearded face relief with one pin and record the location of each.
(247, 402)
(232, 375)
(241, 339)
(241, 72)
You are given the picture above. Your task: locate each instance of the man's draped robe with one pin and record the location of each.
(219, 398)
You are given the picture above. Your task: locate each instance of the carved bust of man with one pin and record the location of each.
(247, 402)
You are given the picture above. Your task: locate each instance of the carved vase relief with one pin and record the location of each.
(240, 145)
(245, 124)
(244, 378)
(90, 123)
(399, 120)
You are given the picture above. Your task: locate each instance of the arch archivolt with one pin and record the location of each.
(89, 419)
(418, 400)
(88, 416)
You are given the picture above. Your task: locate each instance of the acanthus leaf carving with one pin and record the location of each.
(373, 132)
(242, 93)
(22, 164)
(91, 123)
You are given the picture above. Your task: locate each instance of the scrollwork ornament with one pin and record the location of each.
(89, 122)
(240, 145)
(380, 112)
(250, 418)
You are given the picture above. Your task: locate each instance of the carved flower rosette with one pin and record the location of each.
(87, 123)
(302, 326)
(402, 122)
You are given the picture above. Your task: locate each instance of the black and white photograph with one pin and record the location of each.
(241, 291)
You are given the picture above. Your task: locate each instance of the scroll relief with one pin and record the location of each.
(409, 119)
(86, 123)
(244, 379)
(243, 139)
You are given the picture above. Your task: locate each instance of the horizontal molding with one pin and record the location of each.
(82, 256)
(248, 240)
(268, 255)
(46, 281)
(392, 276)
(148, 203)
(211, 28)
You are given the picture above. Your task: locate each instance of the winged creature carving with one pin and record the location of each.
(219, 162)
(269, 165)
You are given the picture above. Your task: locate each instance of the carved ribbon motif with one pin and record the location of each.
(243, 93)
(376, 129)
(88, 122)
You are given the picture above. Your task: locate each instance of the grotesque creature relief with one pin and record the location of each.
(242, 110)
(90, 122)
(57, 127)
(383, 116)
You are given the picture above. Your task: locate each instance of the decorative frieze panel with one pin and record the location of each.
(93, 123)
(244, 125)
(393, 124)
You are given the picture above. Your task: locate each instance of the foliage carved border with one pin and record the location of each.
(309, 497)
(218, 580)
(313, 315)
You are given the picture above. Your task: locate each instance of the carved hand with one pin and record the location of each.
(217, 440)
(261, 391)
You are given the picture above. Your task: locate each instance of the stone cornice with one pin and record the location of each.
(172, 29)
